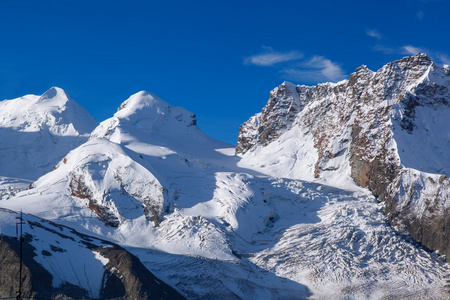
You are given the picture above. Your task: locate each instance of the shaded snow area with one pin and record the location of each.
(425, 144)
(427, 148)
(62, 251)
(215, 225)
(9, 187)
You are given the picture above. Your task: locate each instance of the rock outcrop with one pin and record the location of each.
(387, 130)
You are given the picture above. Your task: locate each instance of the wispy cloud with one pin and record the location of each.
(326, 67)
(404, 50)
(412, 50)
(385, 49)
(318, 68)
(293, 65)
(420, 14)
(373, 33)
(271, 57)
(443, 57)
(438, 56)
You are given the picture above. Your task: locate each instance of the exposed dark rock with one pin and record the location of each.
(36, 281)
(80, 190)
(416, 203)
(281, 109)
(125, 277)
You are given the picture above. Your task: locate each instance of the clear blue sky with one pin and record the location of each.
(218, 59)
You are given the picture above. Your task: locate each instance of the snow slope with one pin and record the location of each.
(193, 212)
(60, 262)
(426, 146)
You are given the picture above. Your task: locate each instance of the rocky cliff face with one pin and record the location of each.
(386, 130)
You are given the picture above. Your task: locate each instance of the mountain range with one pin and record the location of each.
(333, 191)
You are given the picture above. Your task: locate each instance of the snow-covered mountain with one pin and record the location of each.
(37, 131)
(386, 130)
(283, 219)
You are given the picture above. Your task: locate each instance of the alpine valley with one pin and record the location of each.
(334, 191)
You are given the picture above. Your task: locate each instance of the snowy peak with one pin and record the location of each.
(55, 94)
(397, 78)
(149, 114)
(54, 111)
(147, 110)
(114, 175)
(37, 131)
(407, 69)
(142, 100)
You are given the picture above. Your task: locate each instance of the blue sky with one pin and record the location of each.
(218, 59)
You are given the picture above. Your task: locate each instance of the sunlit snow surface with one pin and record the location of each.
(229, 227)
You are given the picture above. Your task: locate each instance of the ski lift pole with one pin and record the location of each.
(19, 293)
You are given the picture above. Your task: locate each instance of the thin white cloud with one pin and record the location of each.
(293, 66)
(385, 50)
(420, 14)
(271, 57)
(328, 68)
(373, 33)
(318, 68)
(440, 56)
(408, 49)
(404, 50)
(437, 56)
(443, 57)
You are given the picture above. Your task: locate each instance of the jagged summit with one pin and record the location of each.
(386, 130)
(418, 59)
(392, 82)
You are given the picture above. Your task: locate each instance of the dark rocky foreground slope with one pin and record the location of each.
(123, 276)
(388, 130)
